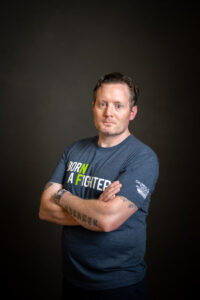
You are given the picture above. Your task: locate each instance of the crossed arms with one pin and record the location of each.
(106, 213)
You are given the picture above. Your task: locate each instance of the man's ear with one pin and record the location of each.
(133, 112)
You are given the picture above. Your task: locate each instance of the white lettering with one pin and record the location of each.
(106, 184)
(77, 168)
(69, 166)
(73, 168)
(142, 189)
(71, 177)
(94, 182)
(87, 182)
(100, 183)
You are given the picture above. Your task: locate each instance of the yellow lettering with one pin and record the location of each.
(83, 168)
(78, 178)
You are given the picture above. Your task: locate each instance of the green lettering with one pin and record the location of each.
(78, 178)
(83, 168)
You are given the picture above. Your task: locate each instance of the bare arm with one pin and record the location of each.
(50, 211)
(105, 214)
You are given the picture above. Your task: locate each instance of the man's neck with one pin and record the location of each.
(112, 140)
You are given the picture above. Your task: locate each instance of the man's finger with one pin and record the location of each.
(113, 185)
(110, 193)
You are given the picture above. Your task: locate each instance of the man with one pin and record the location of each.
(100, 191)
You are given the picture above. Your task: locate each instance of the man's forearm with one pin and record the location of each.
(57, 215)
(88, 213)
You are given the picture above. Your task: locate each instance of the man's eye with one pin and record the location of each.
(118, 105)
(102, 104)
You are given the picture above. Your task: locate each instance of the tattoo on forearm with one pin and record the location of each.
(130, 204)
(81, 217)
(48, 185)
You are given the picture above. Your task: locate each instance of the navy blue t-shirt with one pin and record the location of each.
(106, 260)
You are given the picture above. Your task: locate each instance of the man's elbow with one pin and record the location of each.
(108, 225)
(42, 214)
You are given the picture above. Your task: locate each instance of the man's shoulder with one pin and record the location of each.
(141, 148)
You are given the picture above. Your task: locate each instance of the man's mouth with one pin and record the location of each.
(108, 122)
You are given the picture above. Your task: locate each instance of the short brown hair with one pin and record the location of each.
(116, 77)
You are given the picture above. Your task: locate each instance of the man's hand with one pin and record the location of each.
(50, 211)
(111, 191)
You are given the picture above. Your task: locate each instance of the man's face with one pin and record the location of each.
(112, 109)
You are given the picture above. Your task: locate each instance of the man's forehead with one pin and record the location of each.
(114, 85)
(118, 89)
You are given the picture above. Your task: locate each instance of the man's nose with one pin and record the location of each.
(108, 111)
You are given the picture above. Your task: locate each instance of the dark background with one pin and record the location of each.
(52, 54)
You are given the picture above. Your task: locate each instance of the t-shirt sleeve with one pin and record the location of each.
(139, 178)
(59, 172)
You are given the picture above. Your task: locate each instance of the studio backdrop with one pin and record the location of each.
(52, 54)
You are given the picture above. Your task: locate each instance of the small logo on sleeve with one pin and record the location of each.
(142, 189)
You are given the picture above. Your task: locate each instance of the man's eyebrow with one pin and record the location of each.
(117, 102)
(113, 101)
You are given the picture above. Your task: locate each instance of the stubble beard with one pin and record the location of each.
(110, 134)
